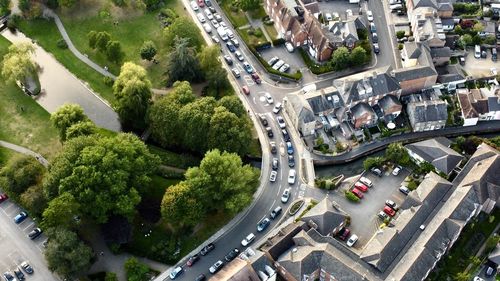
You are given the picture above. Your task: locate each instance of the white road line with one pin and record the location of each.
(254, 102)
(272, 205)
(279, 189)
(30, 225)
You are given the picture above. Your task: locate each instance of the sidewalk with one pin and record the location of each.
(26, 151)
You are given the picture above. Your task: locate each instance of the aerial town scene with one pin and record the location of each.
(249, 140)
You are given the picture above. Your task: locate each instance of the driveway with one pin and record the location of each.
(17, 247)
(293, 59)
(479, 68)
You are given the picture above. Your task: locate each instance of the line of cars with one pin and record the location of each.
(278, 64)
(373, 30)
(361, 186)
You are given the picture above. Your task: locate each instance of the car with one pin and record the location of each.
(232, 255)
(388, 210)
(211, 9)
(328, 17)
(400, 13)
(383, 216)
(405, 190)
(272, 61)
(8, 276)
(376, 48)
(284, 68)
(27, 267)
(477, 278)
(194, 6)
(358, 193)
(277, 108)
(207, 249)
(286, 136)
(208, 3)
(291, 161)
(291, 176)
(256, 78)
(366, 181)
(369, 15)
(361, 186)
(396, 7)
(217, 17)
(263, 224)
(231, 47)
(19, 274)
(201, 18)
(200, 277)
(376, 171)
(269, 98)
(392, 2)
(201, 3)
(236, 73)
(223, 24)
(269, 132)
(275, 164)
(494, 54)
(274, 148)
(192, 260)
(35, 233)
(352, 240)
(289, 148)
(285, 196)
(216, 267)
(272, 176)
(209, 14)
(20, 217)
(348, 12)
(239, 56)
(230, 33)
(215, 39)
(403, 39)
(248, 68)
(462, 60)
(489, 271)
(344, 233)
(245, 90)
(281, 122)
(228, 59)
(235, 42)
(373, 28)
(374, 37)
(176, 272)
(278, 64)
(3, 197)
(263, 119)
(275, 213)
(207, 28)
(215, 23)
(248, 240)
(289, 47)
(397, 170)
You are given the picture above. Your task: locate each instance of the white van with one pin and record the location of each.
(477, 52)
(366, 181)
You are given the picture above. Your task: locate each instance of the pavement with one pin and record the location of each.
(26, 151)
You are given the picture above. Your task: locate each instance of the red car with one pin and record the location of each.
(361, 186)
(246, 90)
(256, 78)
(3, 197)
(358, 193)
(388, 210)
(201, 3)
(344, 233)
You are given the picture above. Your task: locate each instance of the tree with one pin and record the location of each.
(33, 199)
(148, 50)
(180, 207)
(478, 27)
(396, 153)
(66, 3)
(66, 116)
(24, 6)
(135, 270)
(183, 27)
(464, 41)
(18, 64)
(82, 128)
(182, 64)
(228, 132)
(358, 56)
(217, 82)
(102, 173)
(19, 174)
(92, 37)
(233, 104)
(372, 162)
(249, 5)
(195, 119)
(462, 276)
(209, 58)
(61, 211)
(66, 254)
(111, 276)
(102, 40)
(132, 91)
(182, 92)
(340, 58)
(114, 51)
(459, 30)
(400, 34)
(4, 7)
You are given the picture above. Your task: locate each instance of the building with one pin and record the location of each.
(390, 107)
(437, 152)
(427, 112)
(326, 217)
(363, 116)
(474, 105)
(418, 70)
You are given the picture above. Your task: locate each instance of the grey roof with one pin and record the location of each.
(424, 3)
(379, 84)
(324, 102)
(447, 21)
(437, 152)
(440, 52)
(414, 72)
(428, 111)
(494, 103)
(389, 103)
(326, 216)
(413, 50)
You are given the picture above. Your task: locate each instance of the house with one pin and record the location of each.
(326, 217)
(288, 18)
(319, 45)
(443, 8)
(418, 70)
(344, 33)
(390, 107)
(448, 24)
(363, 116)
(427, 27)
(237, 269)
(451, 77)
(474, 105)
(427, 112)
(437, 152)
(494, 104)
(301, 115)
(440, 56)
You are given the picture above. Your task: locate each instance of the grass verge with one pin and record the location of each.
(236, 17)
(179, 160)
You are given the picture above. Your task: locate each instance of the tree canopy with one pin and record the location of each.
(114, 51)
(340, 58)
(182, 63)
(183, 27)
(179, 206)
(148, 50)
(18, 64)
(61, 211)
(19, 174)
(66, 116)
(136, 271)
(396, 153)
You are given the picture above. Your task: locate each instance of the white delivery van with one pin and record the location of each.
(477, 52)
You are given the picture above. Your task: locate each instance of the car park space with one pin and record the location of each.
(336, 8)
(292, 59)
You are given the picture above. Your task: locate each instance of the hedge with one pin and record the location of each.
(179, 160)
(350, 196)
(295, 76)
(315, 68)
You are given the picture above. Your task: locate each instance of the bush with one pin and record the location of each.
(412, 185)
(350, 196)
(400, 34)
(312, 65)
(61, 43)
(108, 81)
(13, 22)
(278, 42)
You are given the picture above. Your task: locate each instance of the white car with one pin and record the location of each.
(215, 39)
(328, 17)
(269, 99)
(239, 56)
(223, 24)
(369, 15)
(229, 33)
(477, 278)
(291, 176)
(289, 47)
(176, 272)
(279, 64)
(248, 240)
(217, 17)
(215, 23)
(396, 171)
(194, 6)
(348, 12)
(209, 14)
(285, 196)
(281, 122)
(216, 267)
(236, 72)
(277, 108)
(284, 68)
(207, 27)
(366, 181)
(201, 18)
(272, 177)
(352, 240)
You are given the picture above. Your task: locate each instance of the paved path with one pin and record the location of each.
(26, 151)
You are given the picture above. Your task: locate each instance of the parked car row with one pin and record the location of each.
(278, 64)
(388, 211)
(345, 233)
(480, 52)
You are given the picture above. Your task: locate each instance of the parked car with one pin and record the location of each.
(35, 233)
(228, 59)
(275, 213)
(263, 119)
(404, 189)
(272, 61)
(201, 3)
(285, 196)
(269, 132)
(248, 240)
(8, 276)
(281, 122)
(366, 181)
(376, 171)
(235, 42)
(236, 72)
(232, 255)
(217, 17)
(352, 240)
(388, 210)
(376, 48)
(19, 274)
(192, 260)
(216, 267)
(477, 278)
(269, 98)
(489, 271)
(396, 7)
(263, 224)
(277, 108)
(375, 37)
(289, 47)
(344, 233)
(194, 6)
(200, 277)
(289, 148)
(176, 272)
(396, 170)
(3, 197)
(361, 186)
(245, 90)
(248, 68)
(239, 56)
(209, 14)
(286, 136)
(256, 78)
(391, 204)
(272, 176)
(207, 249)
(461, 59)
(27, 267)
(291, 161)
(207, 28)
(383, 216)
(215, 39)
(274, 149)
(328, 17)
(275, 164)
(278, 64)
(494, 55)
(20, 217)
(284, 68)
(291, 176)
(231, 47)
(373, 28)
(358, 193)
(369, 15)
(201, 18)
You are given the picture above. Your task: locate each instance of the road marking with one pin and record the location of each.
(254, 101)
(30, 225)
(272, 205)
(279, 191)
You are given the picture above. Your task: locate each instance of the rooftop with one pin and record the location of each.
(437, 152)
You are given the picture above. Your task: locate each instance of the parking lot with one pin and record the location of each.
(16, 247)
(364, 219)
(339, 7)
(293, 59)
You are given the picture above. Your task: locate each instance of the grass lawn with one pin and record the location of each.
(236, 18)
(179, 160)
(271, 31)
(23, 121)
(252, 39)
(5, 155)
(258, 14)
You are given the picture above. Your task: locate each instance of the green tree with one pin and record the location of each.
(182, 63)
(148, 50)
(24, 6)
(66, 116)
(218, 83)
(459, 30)
(82, 128)
(400, 34)
(372, 162)
(66, 3)
(61, 211)
(213, 71)
(132, 91)
(102, 40)
(464, 41)
(66, 254)
(396, 153)
(92, 37)
(478, 27)
(209, 58)
(18, 64)
(19, 174)
(462, 276)
(102, 173)
(358, 56)
(249, 5)
(34, 200)
(182, 92)
(114, 51)
(233, 104)
(111, 276)
(195, 119)
(180, 207)
(135, 270)
(4, 7)
(228, 132)
(183, 27)
(340, 58)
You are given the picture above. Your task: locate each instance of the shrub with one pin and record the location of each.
(13, 22)
(400, 34)
(350, 196)
(278, 42)
(412, 185)
(108, 81)
(400, 46)
(61, 43)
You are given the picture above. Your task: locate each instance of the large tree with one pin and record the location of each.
(114, 51)
(182, 63)
(228, 132)
(183, 27)
(61, 211)
(340, 58)
(18, 64)
(358, 56)
(66, 116)
(213, 71)
(148, 50)
(179, 207)
(233, 104)
(195, 118)
(34, 200)
(66, 254)
(135, 270)
(19, 174)
(396, 153)
(132, 91)
(248, 5)
(84, 128)
(102, 40)
(102, 173)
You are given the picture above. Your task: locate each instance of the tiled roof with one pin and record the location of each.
(472, 102)
(390, 104)
(326, 216)
(440, 156)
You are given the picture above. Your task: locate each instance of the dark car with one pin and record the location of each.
(232, 255)
(494, 55)
(291, 161)
(256, 78)
(3, 197)
(192, 260)
(263, 119)
(19, 274)
(263, 224)
(212, 9)
(289, 148)
(286, 136)
(276, 212)
(376, 48)
(228, 60)
(200, 277)
(375, 37)
(274, 149)
(269, 132)
(8, 276)
(207, 249)
(275, 164)
(376, 171)
(344, 233)
(34, 233)
(231, 47)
